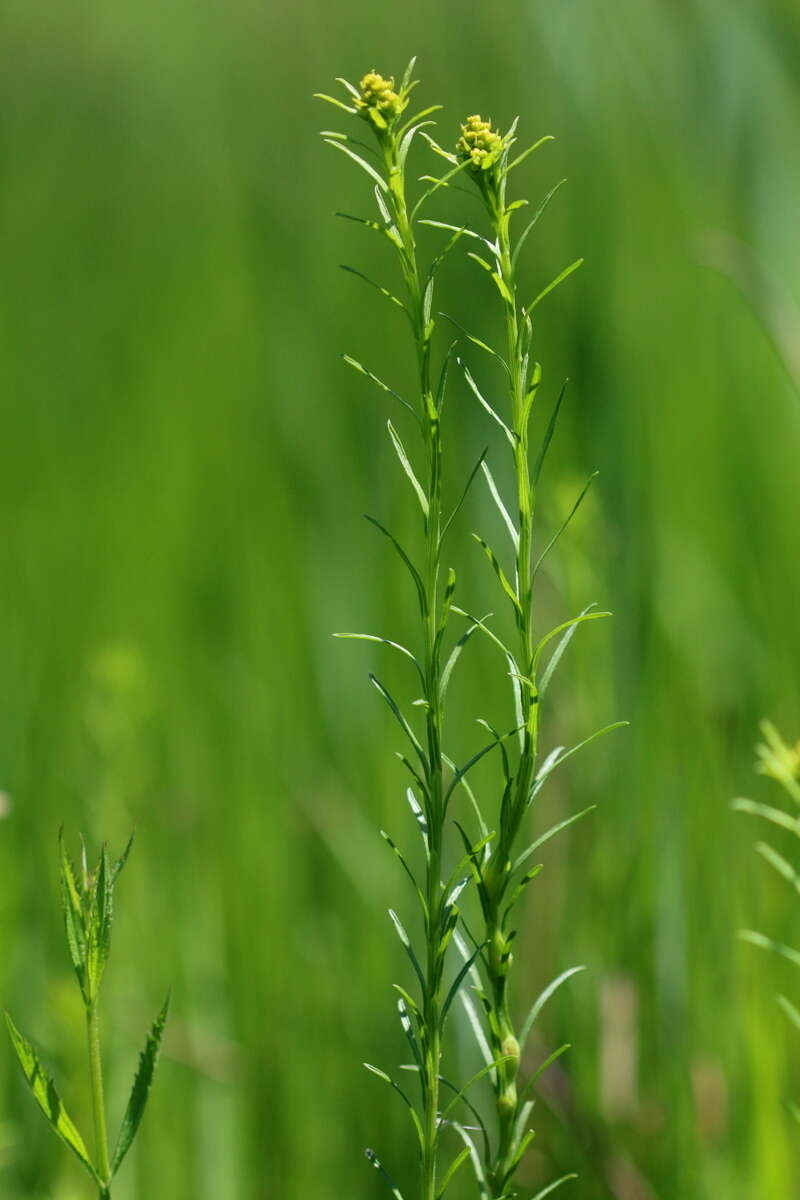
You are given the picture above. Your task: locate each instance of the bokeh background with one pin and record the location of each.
(183, 465)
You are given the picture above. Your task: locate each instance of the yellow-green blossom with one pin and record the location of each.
(479, 144)
(379, 102)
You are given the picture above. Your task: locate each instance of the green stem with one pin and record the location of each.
(98, 1100)
(431, 1000)
(516, 803)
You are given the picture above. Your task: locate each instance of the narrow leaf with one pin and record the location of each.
(758, 939)
(405, 463)
(415, 575)
(485, 403)
(501, 508)
(377, 286)
(548, 437)
(357, 366)
(409, 949)
(565, 274)
(381, 182)
(552, 1187)
(542, 999)
(565, 523)
(523, 236)
(556, 656)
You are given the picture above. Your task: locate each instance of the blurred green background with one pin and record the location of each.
(183, 465)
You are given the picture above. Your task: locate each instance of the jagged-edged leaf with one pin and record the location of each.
(406, 1099)
(501, 508)
(46, 1096)
(542, 999)
(98, 939)
(73, 915)
(565, 274)
(357, 366)
(377, 286)
(463, 496)
(551, 832)
(548, 137)
(412, 570)
(500, 573)
(405, 463)
(485, 403)
(365, 166)
(140, 1090)
(555, 658)
(123, 858)
(524, 235)
(552, 1186)
(758, 939)
(566, 522)
(372, 1157)
(776, 815)
(401, 720)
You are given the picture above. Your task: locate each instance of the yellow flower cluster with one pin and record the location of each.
(378, 93)
(479, 143)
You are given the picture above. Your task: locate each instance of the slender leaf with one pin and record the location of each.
(565, 523)
(524, 235)
(542, 999)
(405, 463)
(565, 274)
(141, 1089)
(381, 182)
(501, 508)
(357, 366)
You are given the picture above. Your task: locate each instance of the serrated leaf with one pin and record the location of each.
(73, 915)
(140, 1090)
(46, 1096)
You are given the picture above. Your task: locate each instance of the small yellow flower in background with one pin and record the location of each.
(379, 102)
(479, 144)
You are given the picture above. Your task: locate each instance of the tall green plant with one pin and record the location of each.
(781, 763)
(88, 898)
(433, 778)
(503, 867)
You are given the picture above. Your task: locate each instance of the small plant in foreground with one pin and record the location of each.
(780, 762)
(88, 907)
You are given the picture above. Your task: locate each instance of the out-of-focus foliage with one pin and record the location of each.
(182, 461)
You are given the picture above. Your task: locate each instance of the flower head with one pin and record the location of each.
(479, 144)
(378, 101)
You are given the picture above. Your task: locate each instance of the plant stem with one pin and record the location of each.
(516, 799)
(429, 417)
(98, 1100)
